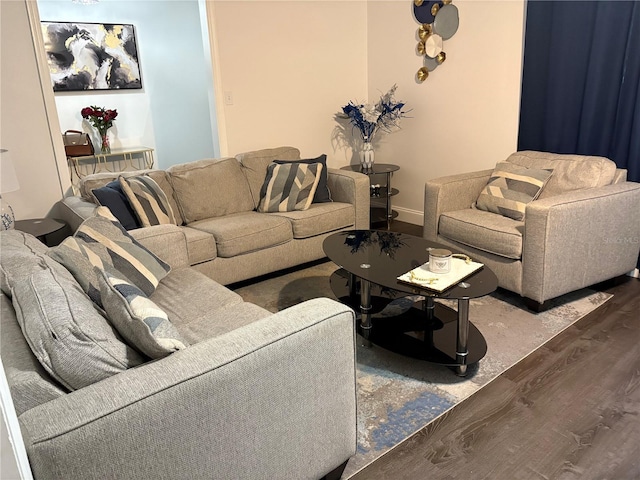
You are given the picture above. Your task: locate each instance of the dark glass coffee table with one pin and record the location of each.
(371, 261)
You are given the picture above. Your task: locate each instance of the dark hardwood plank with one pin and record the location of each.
(570, 410)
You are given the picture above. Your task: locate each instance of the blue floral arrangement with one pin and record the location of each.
(369, 119)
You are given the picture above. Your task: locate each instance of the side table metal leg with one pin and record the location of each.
(389, 211)
(462, 337)
(352, 282)
(365, 311)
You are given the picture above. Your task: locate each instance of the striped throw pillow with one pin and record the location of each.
(143, 324)
(289, 186)
(148, 200)
(510, 188)
(102, 242)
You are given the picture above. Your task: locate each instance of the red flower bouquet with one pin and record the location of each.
(101, 119)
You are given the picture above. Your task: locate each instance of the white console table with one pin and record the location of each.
(118, 160)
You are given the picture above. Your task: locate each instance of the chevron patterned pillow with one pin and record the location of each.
(143, 324)
(148, 200)
(510, 188)
(102, 242)
(289, 186)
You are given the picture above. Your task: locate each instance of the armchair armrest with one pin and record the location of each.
(272, 399)
(168, 242)
(580, 238)
(450, 193)
(354, 188)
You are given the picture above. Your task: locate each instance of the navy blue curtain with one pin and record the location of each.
(581, 80)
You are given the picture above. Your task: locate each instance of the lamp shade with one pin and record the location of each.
(8, 178)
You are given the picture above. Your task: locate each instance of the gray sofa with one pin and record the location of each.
(582, 229)
(256, 395)
(222, 233)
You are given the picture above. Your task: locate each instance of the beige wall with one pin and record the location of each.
(465, 115)
(291, 65)
(24, 127)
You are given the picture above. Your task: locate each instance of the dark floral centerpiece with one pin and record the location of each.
(369, 119)
(102, 120)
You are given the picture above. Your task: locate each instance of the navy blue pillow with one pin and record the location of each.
(112, 197)
(322, 195)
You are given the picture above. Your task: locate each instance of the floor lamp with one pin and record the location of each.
(8, 183)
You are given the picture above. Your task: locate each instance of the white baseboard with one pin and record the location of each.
(414, 217)
(634, 273)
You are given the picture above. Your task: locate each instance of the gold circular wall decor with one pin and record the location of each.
(439, 21)
(424, 30)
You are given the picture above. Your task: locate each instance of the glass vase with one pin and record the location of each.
(367, 156)
(105, 146)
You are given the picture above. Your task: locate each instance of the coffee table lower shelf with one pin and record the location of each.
(412, 333)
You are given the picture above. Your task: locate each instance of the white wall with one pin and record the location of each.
(171, 113)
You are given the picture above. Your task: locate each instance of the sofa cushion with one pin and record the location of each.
(149, 202)
(201, 246)
(510, 188)
(143, 324)
(288, 187)
(246, 232)
(186, 294)
(113, 197)
(322, 194)
(320, 218)
(570, 172)
(21, 254)
(67, 334)
(28, 381)
(210, 188)
(483, 230)
(102, 242)
(254, 166)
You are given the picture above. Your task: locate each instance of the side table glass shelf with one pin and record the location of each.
(118, 160)
(381, 191)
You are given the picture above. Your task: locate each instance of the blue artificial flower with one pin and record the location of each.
(369, 119)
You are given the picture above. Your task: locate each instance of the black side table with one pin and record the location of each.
(383, 191)
(40, 227)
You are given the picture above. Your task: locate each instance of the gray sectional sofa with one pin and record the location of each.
(255, 394)
(237, 392)
(215, 204)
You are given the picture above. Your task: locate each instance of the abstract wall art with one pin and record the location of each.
(91, 56)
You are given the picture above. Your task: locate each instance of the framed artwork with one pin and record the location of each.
(91, 56)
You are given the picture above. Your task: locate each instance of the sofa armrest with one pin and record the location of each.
(73, 210)
(272, 399)
(450, 193)
(168, 242)
(354, 188)
(580, 238)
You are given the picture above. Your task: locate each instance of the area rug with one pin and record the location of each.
(397, 395)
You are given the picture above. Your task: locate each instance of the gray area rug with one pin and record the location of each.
(398, 396)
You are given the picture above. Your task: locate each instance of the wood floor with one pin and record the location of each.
(570, 410)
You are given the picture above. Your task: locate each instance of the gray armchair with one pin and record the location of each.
(582, 228)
